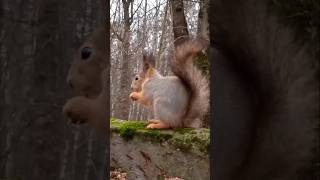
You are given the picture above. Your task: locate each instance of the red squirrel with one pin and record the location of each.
(176, 101)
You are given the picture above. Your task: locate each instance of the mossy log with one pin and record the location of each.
(152, 154)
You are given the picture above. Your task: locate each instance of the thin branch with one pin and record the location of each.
(115, 33)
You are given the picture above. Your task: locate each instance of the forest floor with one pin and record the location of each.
(119, 174)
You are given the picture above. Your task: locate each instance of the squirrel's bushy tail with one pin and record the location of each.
(182, 65)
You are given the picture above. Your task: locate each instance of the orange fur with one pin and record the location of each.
(188, 78)
(151, 73)
(157, 124)
(138, 96)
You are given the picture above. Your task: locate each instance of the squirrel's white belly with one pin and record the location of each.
(171, 90)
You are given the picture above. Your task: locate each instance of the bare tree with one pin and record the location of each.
(153, 25)
(203, 23)
(180, 27)
(121, 109)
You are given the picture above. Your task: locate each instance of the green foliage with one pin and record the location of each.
(304, 17)
(203, 64)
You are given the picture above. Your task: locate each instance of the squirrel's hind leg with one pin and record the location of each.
(157, 124)
(164, 114)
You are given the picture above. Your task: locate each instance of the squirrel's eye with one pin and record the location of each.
(136, 78)
(86, 52)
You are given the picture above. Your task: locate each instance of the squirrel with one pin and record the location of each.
(84, 76)
(87, 77)
(176, 101)
(81, 109)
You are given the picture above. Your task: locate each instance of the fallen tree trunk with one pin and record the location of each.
(152, 154)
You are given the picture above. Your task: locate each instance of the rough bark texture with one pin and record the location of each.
(180, 27)
(203, 21)
(151, 154)
(37, 38)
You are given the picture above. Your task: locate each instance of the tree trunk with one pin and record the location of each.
(122, 104)
(180, 27)
(36, 41)
(203, 23)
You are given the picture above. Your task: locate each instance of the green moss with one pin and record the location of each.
(183, 130)
(194, 140)
(156, 135)
(184, 139)
(127, 129)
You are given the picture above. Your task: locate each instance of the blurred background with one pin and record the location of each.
(37, 42)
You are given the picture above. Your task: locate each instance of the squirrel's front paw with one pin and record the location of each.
(77, 110)
(134, 96)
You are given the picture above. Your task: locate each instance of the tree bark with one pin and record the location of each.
(122, 104)
(203, 23)
(180, 27)
(35, 50)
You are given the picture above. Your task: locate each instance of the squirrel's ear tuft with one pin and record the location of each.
(148, 60)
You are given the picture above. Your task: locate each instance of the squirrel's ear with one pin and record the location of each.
(148, 60)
